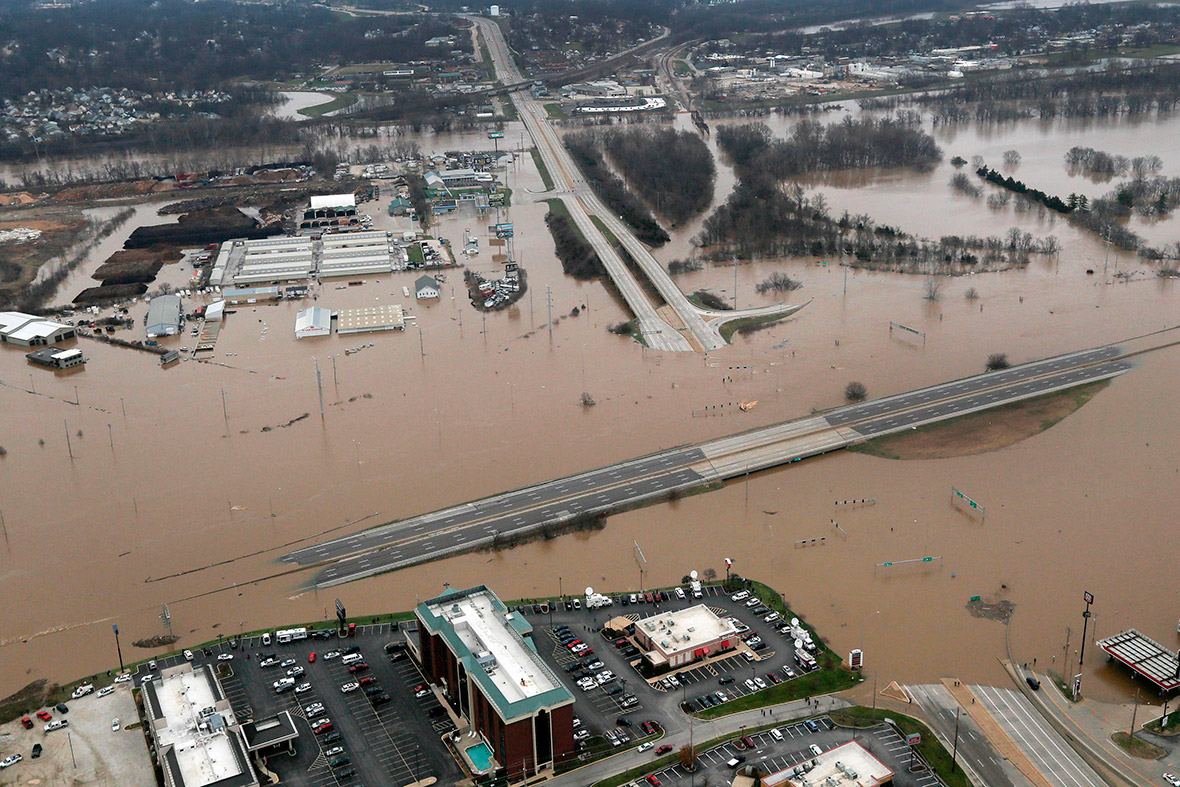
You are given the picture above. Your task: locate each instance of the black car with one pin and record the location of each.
(347, 773)
(1032, 682)
(379, 699)
(725, 679)
(36, 750)
(625, 601)
(573, 665)
(372, 690)
(536, 609)
(61, 708)
(322, 634)
(615, 689)
(437, 711)
(394, 647)
(351, 649)
(331, 737)
(663, 595)
(623, 721)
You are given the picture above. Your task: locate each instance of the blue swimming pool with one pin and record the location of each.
(480, 756)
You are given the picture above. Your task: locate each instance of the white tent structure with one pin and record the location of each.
(313, 321)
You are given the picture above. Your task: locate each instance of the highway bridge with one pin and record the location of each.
(659, 476)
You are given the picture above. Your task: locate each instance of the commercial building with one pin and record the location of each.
(250, 295)
(425, 287)
(357, 253)
(847, 764)
(164, 316)
(464, 178)
(273, 260)
(29, 330)
(484, 659)
(368, 319)
(57, 359)
(313, 321)
(1145, 657)
(195, 736)
(673, 639)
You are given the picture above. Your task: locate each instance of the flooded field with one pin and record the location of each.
(189, 497)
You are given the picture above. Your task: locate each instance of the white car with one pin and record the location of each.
(741, 594)
(105, 691)
(295, 672)
(751, 685)
(420, 693)
(332, 752)
(675, 681)
(56, 724)
(82, 691)
(124, 678)
(772, 617)
(350, 686)
(680, 593)
(314, 708)
(577, 722)
(815, 750)
(188, 655)
(146, 679)
(760, 683)
(585, 684)
(321, 722)
(614, 740)
(287, 663)
(606, 676)
(10, 760)
(331, 654)
(721, 695)
(644, 746)
(753, 602)
(581, 735)
(302, 687)
(1170, 778)
(115, 725)
(225, 657)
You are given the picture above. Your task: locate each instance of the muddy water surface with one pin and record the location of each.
(186, 502)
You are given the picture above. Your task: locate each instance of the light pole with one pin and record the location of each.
(118, 649)
(955, 751)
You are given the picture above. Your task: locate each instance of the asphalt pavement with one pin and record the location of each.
(975, 753)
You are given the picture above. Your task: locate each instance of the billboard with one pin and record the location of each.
(495, 135)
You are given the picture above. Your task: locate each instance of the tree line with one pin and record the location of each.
(578, 258)
(1100, 163)
(583, 147)
(673, 171)
(1051, 202)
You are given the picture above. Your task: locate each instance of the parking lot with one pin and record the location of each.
(791, 747)
(600, 707)
(395, 742)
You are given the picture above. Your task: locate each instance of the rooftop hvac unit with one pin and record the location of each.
(692, 628)
(664, 644)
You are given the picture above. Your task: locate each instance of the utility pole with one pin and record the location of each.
(335, 380)
(421, 342)
(118, 649)
(111, 435)
(549, 300)
(735, 282)
(319, 384)
(955, 751)
(225, 412)
(76, 400)
(69, 446)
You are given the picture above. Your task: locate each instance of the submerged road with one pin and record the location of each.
(558, 503)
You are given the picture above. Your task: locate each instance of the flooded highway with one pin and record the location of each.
(184, 501)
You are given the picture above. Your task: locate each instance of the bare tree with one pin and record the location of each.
(855, 391)
(933, 288)
(1011, 158)
(997, 361)
(971, 294)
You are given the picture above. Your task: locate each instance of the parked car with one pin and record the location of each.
(287, 663)
(811, 725)
(36, 750)
(667, 747)
(322, 726)
(302, 687)
(44, 715)
(350, 686)
(56, 724)
(724, 679)
(359, 666)
(10, 760)
(61, 707)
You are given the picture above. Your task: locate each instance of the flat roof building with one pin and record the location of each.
(313, 321)
(368, 319)
(29, 330)
(847, 764)
(164, 316)
(484, 659)
(57, 358)
(673, 639)
(1145, 657)
(196, 737)
(250, 295)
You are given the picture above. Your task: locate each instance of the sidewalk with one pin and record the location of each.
(1089, 724)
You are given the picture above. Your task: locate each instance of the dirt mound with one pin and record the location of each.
(199, 228)
(160, 641)
(113, 292)
(28, 699)
(133, 188)
(1000, 611)
(135, 265)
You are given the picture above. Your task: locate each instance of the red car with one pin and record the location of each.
(43, 715)
(27, 722)
(650, 600)
(746, 739)
(311, 657)
(325, 727)
(368, 680)
(652, 780)
(667, 747)
(360, 666)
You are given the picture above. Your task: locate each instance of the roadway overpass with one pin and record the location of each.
(606, 490)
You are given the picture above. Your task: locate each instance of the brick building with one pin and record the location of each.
(483, 658)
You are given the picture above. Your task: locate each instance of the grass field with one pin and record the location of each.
(546, 178)
(339, 102)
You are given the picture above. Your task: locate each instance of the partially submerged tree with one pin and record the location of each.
(855, 391)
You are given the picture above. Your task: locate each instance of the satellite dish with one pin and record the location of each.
(798, 644)
(692, 575)
(589, 591)
(794, 622)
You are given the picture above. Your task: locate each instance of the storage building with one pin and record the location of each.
(57, 359)
(313, 321)
(29, 330)
(164, 316)
(425, 287)
(368, 319)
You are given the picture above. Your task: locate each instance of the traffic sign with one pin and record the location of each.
(1088, 597)
(495, 135)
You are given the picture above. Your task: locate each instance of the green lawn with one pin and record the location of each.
(733, 326)
(555, 111)
(341, 101)
(415, 254)
(546, 178)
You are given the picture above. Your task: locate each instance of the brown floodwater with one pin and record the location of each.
(184, 502)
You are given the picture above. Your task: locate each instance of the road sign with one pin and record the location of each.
(913, 739)
(856, 658)
(340, 615)
(495, 135)
(1088, 597)
(971, 503)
